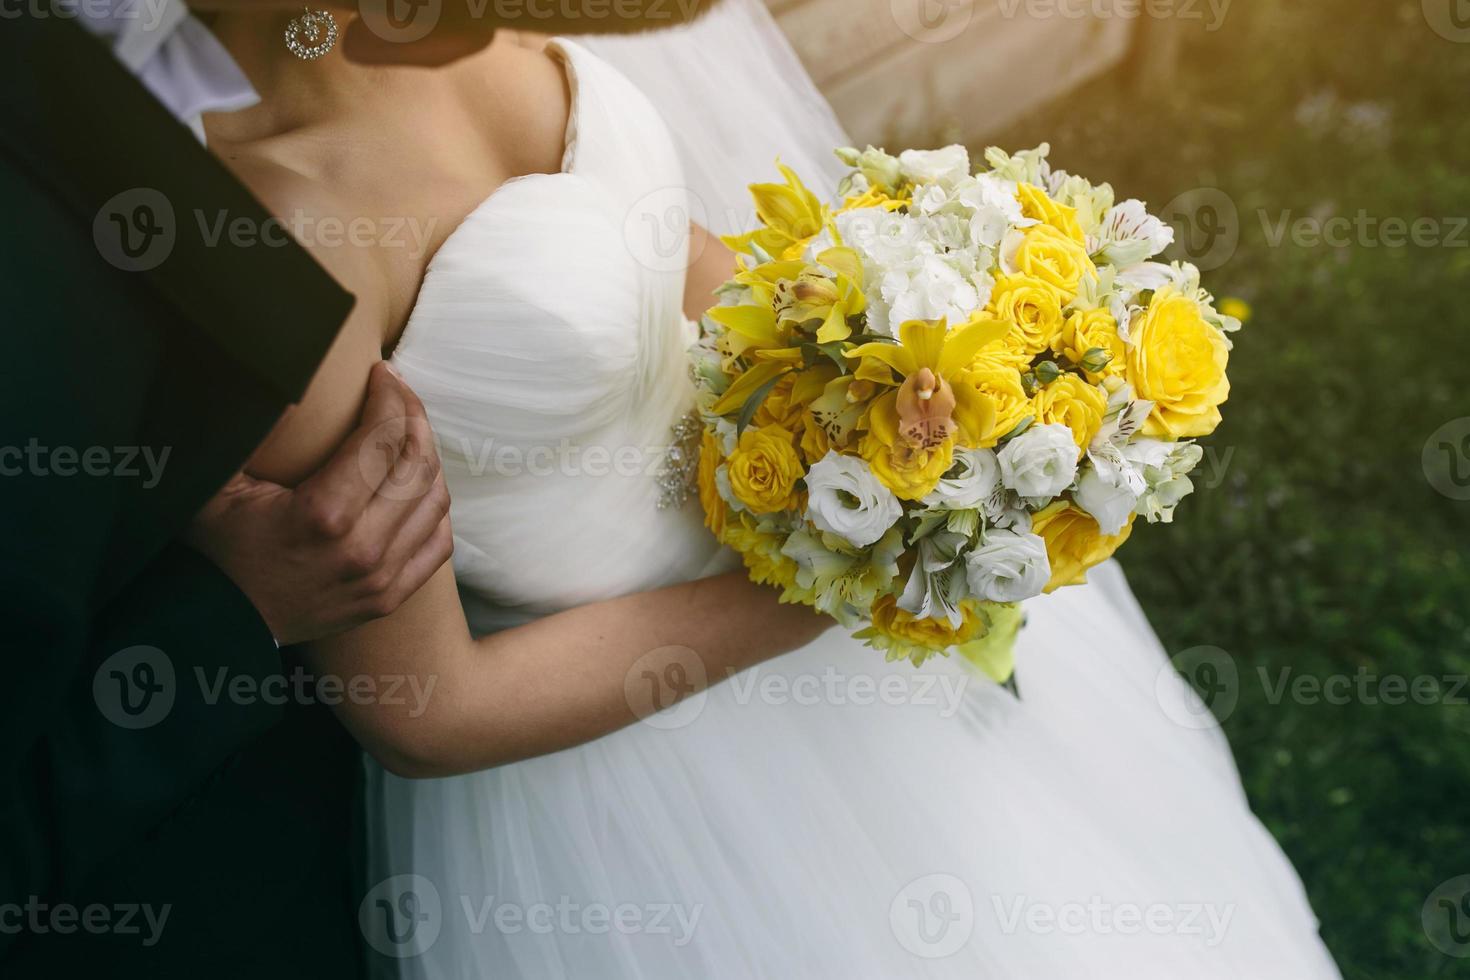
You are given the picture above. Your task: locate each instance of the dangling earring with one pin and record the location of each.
(311, 35)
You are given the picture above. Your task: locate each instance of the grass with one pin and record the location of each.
(1317, 543)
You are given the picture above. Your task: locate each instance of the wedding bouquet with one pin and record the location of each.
(948, 392)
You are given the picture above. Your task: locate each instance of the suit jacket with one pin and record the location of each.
(156, 818)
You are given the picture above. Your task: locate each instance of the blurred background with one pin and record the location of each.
(1312, 156)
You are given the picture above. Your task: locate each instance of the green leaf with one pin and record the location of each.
(753, 404)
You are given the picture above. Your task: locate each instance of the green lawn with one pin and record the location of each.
(1317, 543)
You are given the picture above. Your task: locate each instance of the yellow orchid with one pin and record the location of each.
(792, 216)
(789, 296)
(912, 431)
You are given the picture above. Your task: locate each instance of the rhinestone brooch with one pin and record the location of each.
(678, 477)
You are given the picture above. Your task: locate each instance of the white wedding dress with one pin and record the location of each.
(827, 815)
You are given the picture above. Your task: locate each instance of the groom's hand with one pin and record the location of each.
(353, 541)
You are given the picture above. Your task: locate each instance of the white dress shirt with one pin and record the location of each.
(173, 55)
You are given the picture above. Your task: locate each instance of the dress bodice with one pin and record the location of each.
(547, 345)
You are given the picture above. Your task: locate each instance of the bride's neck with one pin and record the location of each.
(296, 94)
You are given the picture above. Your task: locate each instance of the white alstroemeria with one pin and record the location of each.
(845, 582)
(1040, 463)
(845, 498)
(1091, 202)
(995, 206)
(1129, 235)
(971, 481)
(1109, 491)
(726, 492)
(947, 166)
(1166, 467)
(1028, 166)
(1008, 567)
(937, 585)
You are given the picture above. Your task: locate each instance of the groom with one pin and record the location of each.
(175, 798)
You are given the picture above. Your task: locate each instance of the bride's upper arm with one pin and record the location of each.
(308, 433)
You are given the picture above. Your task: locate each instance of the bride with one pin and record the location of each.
(818, 815)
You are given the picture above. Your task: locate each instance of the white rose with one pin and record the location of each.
(1008, 567)
(1041, 462)
(949, 165)
(845, 498)
(976, 477)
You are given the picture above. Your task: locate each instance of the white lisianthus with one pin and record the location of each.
(845, 498)
(976, 477)
(1008, 567)
(949, 165)
(1041, 462)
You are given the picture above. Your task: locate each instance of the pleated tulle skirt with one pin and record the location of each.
(829, 815)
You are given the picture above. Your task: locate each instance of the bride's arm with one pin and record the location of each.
(539, 688)
(552, 684)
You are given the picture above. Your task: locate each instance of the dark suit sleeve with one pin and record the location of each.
(84, 346)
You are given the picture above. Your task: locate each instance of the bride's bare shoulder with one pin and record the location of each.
(321, 222)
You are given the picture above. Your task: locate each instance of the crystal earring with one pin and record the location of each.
(311, 35)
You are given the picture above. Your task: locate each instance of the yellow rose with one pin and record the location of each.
(716, 510)
(1049, 255)
(1001, 381)
(902, 629)
(1177, 361)
(1086, 331)
(1074, 542)
(1038, 205)
(1072, 402)
(1034, 310)
(764, 469)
